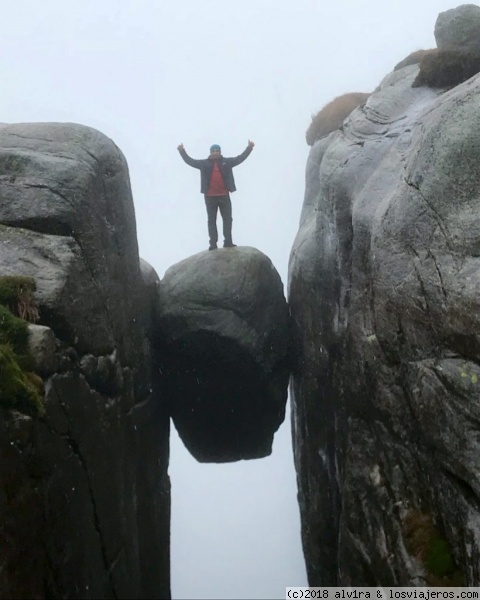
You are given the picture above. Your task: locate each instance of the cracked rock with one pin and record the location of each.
(85, 493)
(384, 290)
(103, 373)
(69, 183)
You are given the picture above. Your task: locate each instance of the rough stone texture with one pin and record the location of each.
(43, 348)
(66, 291)
(384, 292)
(72, 182)
(224, 332)
(459, 29)
(151, 296)
(84, 493)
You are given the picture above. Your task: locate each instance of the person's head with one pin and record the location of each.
(215, 151)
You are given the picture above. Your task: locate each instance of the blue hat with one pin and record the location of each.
(215, 147)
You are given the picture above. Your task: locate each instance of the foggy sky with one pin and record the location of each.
(151, 74)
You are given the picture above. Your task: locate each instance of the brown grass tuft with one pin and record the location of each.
(447, 68)
(332, 115)
(16, 292)
(414, 58)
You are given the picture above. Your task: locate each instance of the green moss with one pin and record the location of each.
(438, 559)
(16, 292)
(427, 545)
(20, 389)
(13, 331)
(17, 390)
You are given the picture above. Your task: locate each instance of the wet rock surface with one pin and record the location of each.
(383, 290)
(66, 188)
(84, 500)
(224, 332)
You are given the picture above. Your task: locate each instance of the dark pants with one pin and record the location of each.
(213, 203)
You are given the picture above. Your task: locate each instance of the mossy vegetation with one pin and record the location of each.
(16, 292)
(20, 389)
(447, 68)
(431, 549)
(332, 115)
(13, 331)
(414, 58)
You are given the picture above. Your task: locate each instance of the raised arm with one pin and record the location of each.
(193, 162)
(236, 160)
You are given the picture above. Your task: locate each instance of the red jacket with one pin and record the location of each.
(225, 164)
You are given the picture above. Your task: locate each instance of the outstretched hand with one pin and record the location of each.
(250, 144)
(180, 147)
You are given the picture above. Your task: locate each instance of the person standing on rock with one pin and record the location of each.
(216, 184)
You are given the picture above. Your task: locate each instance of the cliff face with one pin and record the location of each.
(85, 499)
(384, 292)
(85, 494)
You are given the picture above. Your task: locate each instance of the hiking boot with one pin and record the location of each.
(212, 247)
(229, 245)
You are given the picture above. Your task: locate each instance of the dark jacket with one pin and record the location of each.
(225, 165)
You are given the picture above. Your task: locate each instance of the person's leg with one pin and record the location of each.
(225, 205)
(211, 202)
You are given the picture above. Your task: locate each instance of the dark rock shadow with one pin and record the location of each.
(219, 398)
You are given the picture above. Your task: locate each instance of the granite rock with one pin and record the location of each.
(71, 182)
(43, 347)
(383, 291)
(224, 333)
(85, 494)
(459, 29)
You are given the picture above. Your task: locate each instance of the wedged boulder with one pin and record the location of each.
(459, 29)
(384, 293)
(85, 487)
(224, 338)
